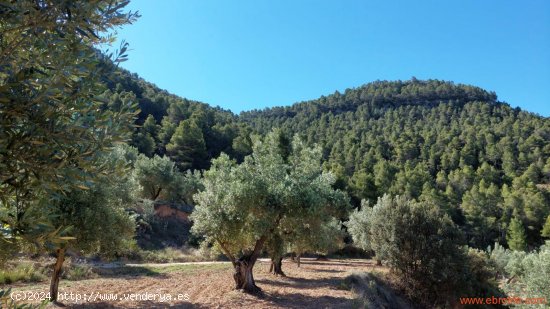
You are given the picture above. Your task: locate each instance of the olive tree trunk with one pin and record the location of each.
(243, 275)
(298, 259)
(54, 284)
(277, 266)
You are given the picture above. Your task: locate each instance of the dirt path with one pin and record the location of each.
(316, 284)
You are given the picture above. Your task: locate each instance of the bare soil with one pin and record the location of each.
(316, 284)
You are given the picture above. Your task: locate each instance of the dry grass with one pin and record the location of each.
(316, 284)
(22, 272)
(170, 255)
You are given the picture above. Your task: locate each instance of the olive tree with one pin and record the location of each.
(154, 175)
(359, 227)
(94, 221)
(529, 273)
(419, 242)
(54, 122)
(243, 206)
(160, 179)
(317, 238)
(316, 207)
(305, 235)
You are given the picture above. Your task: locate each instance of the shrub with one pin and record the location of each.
(500, 257)
(419, 242)
(480, 279)
(22, 272)
(530, 274)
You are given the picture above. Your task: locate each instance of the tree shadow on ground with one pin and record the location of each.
(297, 300)
(301, 283)
(329, 271)
(346, 263)
(128, 272)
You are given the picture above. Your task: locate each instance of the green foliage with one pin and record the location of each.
(187, 146)
(145, 143)
(146, 139)
(516, 235)
(162, 113)
(275, 188)
(480, 159)
(359, 226)
(96, 217)
(500, 257)
(531, 273)
(545, 232)
(160, 179)
(419, 242)
(527, 202)
(480, 273)
(154, 175)
(480, 206)
(315, 238)
(55, 124)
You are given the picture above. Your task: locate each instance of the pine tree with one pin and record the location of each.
(187, 147)
(151, 127)
(145, 143)
(516, 235)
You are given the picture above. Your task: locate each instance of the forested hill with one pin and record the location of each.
(375, 98)
(191, 133)
(450, 144)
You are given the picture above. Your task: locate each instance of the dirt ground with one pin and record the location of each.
(316, 284)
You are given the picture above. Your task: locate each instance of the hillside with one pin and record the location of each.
(454, 145)
(191, 133)
(450, 144)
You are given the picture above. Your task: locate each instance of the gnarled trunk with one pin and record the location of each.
(298, 259)
(277, 266)
(54, 284)
(244, 279)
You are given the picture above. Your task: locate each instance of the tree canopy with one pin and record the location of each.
(242, 206)
(55, 125)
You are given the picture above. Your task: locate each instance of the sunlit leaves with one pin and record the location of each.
(276, 187)
(54, 125)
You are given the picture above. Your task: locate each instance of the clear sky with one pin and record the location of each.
(250, 54)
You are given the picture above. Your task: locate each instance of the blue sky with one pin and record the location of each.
(250, 54)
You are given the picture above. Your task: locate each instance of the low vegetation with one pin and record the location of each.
(524, 273)
(175, 255)
(22, 272)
